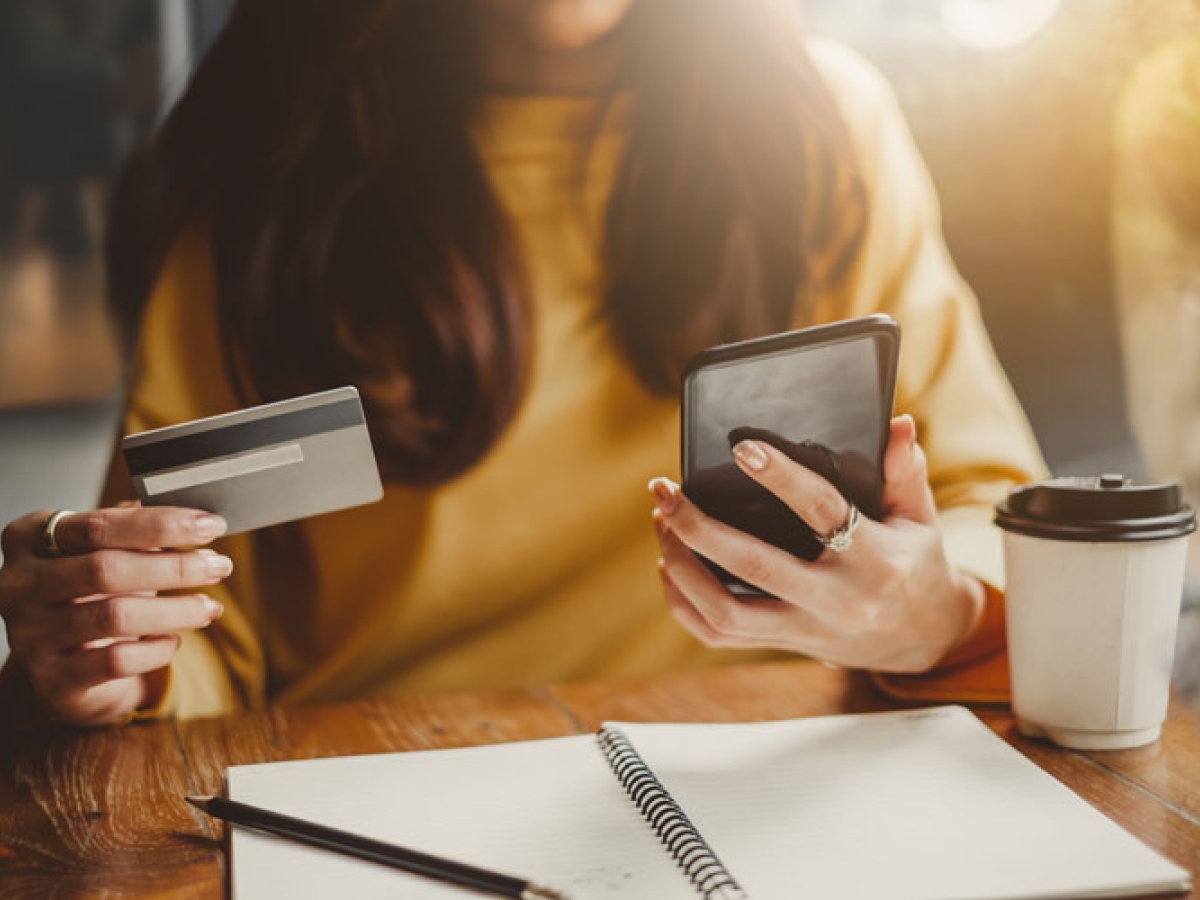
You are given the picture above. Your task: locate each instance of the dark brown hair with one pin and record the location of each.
(326, 147)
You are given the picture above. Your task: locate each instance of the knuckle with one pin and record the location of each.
(21, 641)
(920, 463)
(183, 612)
(6, 589)
(826, 509)
(683, 524)
(756, 569)
(691, 524)
(117, 661)
(16, 588)
(723, 618)
(19, 534)
(46, 681)
(176, 531)
(110, 617)
(162, 529)
(102, 571)
(96, 528)
(186, 569)
(10, 537)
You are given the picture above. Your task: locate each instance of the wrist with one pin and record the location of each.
(973, 602)
(983, 635)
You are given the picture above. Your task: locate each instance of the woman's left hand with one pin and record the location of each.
(891, 602)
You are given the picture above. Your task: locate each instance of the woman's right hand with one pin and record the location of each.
(86, 624)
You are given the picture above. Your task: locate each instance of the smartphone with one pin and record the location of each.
(821, 395)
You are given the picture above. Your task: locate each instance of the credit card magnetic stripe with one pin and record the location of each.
(204, 445)
(221, 469)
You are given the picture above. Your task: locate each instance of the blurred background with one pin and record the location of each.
(1013, 102)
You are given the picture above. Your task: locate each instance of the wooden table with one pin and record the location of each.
(101, 813)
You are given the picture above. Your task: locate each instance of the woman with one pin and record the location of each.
(509, 223)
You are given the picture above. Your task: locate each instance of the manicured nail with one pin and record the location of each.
(751, 455)
(209, 526)
(218, 566)
(666, 493)
(213, 607)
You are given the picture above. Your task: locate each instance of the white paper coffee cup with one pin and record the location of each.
(1094, 570)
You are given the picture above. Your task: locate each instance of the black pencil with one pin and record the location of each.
(372, 850)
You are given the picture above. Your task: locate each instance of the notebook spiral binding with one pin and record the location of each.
(676, 831)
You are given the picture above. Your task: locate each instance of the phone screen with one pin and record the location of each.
(826, 405)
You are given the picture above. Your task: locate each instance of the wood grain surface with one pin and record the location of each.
(98, 813)
(101, 814)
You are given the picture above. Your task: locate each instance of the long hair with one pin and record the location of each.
(326, 147)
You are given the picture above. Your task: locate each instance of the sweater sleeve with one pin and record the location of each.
(178, 375)
(976, 438)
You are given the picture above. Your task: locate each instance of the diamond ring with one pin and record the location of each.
(842, 537)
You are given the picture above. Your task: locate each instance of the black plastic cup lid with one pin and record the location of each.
(1097, 508)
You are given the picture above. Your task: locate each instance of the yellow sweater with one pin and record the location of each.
(538, 564)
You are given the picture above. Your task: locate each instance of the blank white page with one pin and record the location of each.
(550, 811)
(927, 805)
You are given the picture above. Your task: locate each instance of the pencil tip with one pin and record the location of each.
(541, 892)
(200, 801)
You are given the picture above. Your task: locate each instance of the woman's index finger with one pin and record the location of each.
(136, 528)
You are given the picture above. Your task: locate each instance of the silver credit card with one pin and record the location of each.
(263, 465)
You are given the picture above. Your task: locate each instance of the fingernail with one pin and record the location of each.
(217, 566)
(214, 608)
(208, 526)
(751, 455)
(666, 493)
(912, 429)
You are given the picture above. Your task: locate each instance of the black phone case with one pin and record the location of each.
(799, 538)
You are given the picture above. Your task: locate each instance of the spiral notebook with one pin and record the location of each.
(927, 804)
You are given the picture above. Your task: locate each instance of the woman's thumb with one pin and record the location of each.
(906, 490)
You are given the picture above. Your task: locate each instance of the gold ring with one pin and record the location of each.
(841, 538)
(49, 543)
